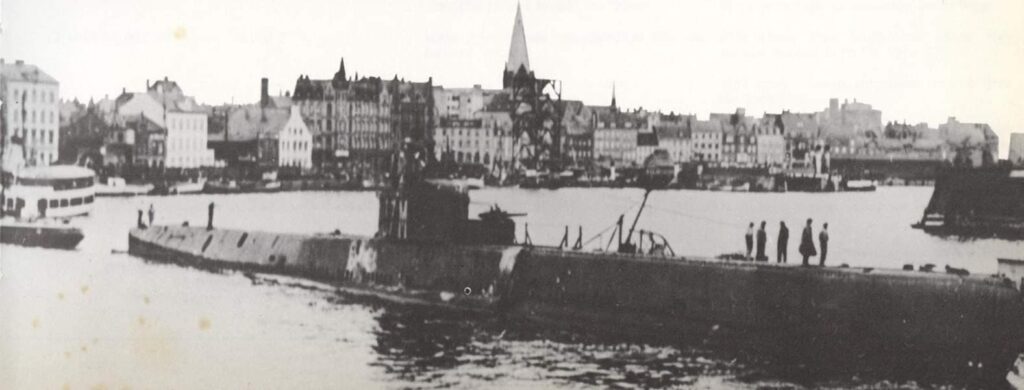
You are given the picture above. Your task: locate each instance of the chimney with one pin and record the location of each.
(147, 84)
(264, 97)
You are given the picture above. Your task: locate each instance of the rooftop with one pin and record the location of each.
(20, 71)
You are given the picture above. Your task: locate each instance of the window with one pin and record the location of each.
(54, 203)
(63, 203)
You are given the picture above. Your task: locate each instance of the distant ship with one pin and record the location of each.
(979, 202)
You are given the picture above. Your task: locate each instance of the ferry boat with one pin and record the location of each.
(47, 233)
(58, 191)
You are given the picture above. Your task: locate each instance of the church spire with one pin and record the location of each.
(517, 56)
(613, 95)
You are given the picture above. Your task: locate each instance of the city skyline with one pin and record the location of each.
(950, 59)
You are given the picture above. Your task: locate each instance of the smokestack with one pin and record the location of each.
(264, 97)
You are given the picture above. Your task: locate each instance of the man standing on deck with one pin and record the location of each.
(152, 214)
(783, 245)
(750, 240)
(823, 238)
(807, 243)
(762, 238)
(209, 219)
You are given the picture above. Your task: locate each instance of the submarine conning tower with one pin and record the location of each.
(415, 207)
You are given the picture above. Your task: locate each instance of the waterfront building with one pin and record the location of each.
(978, 135)
(31, 110)
(739, 143)
(351, 120)
(676, 140)
(412, 113)
(1016, 155)
(178, 138)
(578, 137)
(770, 141)
(616, 134)
(486, 140)
(707, 141)
(267, 137)
(83, 136)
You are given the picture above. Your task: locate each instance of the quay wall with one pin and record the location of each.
(981, 316)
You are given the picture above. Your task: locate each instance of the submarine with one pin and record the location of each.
(428, 251)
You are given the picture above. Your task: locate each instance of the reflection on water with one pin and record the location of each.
(97, 317)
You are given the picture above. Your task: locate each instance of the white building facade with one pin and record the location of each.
(295, 142)
(31, 110)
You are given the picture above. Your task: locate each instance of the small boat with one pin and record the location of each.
(859, 185)
(222, 187)
(184, 187)
(116, 186)
(40, 233)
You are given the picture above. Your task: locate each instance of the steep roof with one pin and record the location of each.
(672, 131)
(707, 127)
(20, 71)
(248, 123)
(517, 56)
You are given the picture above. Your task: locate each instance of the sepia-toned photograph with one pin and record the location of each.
(511, 194)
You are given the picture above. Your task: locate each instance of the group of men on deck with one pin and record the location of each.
(807, 249)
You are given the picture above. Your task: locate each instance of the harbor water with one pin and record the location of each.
(99, 318)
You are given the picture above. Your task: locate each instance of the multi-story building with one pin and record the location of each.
(771, 144)
(1016, 155)
(578, 137)
(31, 110)
(971, 134)
(616, 134)
(352, 119)
(707, 140)
(179, 137)
(676, 140)
(412, 111)
(486, 141)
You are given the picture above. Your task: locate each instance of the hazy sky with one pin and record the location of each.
(919, 61)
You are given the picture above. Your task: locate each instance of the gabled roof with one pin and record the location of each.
(249, 123)
(20, 71)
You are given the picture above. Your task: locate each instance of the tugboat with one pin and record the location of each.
(36, 203)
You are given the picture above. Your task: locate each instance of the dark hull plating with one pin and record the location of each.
(942, 320)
